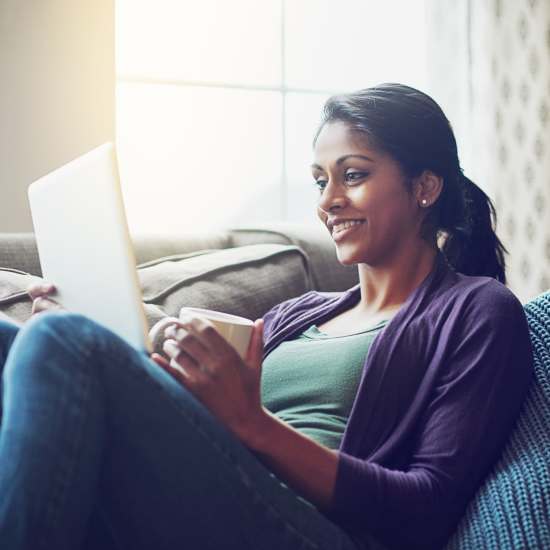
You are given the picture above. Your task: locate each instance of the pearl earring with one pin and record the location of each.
(424, 202)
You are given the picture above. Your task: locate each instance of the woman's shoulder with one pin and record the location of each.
(475, 300)
(482, 292)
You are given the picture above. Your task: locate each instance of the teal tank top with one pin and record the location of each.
(310, 381)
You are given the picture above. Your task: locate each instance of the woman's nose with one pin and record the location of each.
(332, 195)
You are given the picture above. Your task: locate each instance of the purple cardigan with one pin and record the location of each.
(440, 391)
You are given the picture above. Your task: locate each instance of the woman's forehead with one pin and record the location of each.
(337, 139)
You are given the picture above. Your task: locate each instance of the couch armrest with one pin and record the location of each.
(18, 251)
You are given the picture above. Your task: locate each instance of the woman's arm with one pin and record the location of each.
(203, 362)
(484, 368)
(297, 460)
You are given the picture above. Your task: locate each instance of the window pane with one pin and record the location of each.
(211, 40)
(350, 44)
(198, 158)
(302, 117)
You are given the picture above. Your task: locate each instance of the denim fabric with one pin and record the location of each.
(93, 427)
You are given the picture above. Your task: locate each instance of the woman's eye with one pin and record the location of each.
(320, 184)
(355, 176)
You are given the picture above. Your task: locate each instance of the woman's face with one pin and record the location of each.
(358, 182)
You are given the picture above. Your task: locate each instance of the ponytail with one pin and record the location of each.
(472, 246)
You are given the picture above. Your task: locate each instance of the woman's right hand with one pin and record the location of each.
(40, 294)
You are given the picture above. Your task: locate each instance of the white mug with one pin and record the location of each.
(236, 330)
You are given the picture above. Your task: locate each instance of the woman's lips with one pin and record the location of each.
(343, 234)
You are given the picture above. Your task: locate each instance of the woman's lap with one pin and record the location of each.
(170, 474)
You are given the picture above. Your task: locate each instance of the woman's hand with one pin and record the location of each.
(208, 366)
(40, 294)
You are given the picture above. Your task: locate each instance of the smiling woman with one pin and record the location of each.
(357, 420)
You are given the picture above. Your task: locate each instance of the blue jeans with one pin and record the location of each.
(92, 426)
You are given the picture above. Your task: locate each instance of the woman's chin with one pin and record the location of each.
(347, 258)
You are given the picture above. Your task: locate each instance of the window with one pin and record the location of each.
(218, 101)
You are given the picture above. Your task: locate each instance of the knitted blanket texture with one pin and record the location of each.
(511, 510)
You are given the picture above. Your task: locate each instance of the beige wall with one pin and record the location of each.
(56, 91)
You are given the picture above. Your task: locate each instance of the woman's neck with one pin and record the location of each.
(384, 288)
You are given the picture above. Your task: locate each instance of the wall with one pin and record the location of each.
(490, 63)
(56, 92)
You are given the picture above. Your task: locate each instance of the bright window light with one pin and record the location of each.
(218, 101)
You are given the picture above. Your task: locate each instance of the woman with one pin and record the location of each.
(209, 451)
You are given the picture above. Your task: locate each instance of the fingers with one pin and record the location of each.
(188, 342)
(177, 372)
(38, 290)
(158, 328)
(160, 360)
(183, 367)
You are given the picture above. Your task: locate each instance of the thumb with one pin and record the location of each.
(255, 353)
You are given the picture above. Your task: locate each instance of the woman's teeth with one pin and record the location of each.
(346, 225)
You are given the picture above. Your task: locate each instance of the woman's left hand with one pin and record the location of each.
(208, 366)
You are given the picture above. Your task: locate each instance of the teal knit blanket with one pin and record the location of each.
(511, 511)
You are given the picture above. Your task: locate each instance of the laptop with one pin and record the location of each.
(84, 244)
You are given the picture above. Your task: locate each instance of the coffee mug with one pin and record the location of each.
(236, 330)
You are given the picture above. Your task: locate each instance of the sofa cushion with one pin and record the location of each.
(17, 304)
(510, 510)
(246, 280)
(327, 273)
(18, 251)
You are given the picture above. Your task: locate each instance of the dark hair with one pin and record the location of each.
(411, 127)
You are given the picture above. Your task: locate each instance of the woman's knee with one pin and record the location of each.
(58, 321)
(72, 330)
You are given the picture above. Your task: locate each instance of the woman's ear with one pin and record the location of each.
(427, 188)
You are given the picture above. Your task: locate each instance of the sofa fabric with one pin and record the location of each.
(18, 250)
(247, 280)
(328, 275)
(511, 511)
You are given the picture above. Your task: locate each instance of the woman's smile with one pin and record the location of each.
(342, 230)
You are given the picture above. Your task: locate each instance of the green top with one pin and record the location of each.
(310, 381)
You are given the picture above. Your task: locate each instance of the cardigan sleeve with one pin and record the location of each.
(470, 412)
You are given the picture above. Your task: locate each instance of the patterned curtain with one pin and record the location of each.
(490, 71)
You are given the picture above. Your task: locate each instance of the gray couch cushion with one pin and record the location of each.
(246, 280)
(327, 273)
(14, 300)
(150, 247)
(18, 251)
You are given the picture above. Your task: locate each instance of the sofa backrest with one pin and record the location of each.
(18, 250)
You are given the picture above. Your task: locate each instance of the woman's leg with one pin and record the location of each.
(8, 332)
(89, 419)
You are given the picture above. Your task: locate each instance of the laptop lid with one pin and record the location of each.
(84, 244)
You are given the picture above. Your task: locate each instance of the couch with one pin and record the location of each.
(245, 271)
